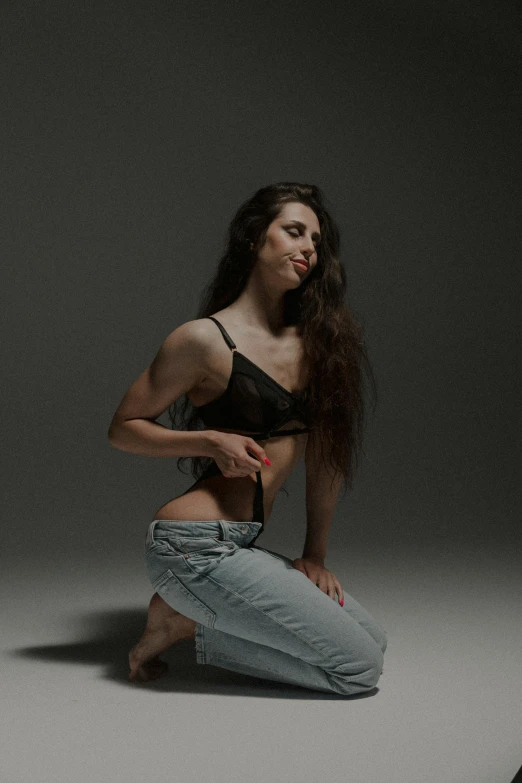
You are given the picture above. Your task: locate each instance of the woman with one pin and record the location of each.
(292, 386)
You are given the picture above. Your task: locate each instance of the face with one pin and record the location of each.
(294, 235)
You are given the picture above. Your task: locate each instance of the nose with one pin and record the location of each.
(308, 247)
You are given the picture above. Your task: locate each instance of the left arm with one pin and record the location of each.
(322, 490)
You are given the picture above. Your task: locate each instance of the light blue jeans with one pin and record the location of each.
(258, 615)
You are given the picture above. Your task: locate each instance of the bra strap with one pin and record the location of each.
(231, 344)
(259, 513)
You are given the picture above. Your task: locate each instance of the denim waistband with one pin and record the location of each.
(224, 528)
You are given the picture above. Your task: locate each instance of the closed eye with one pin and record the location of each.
(316, 244)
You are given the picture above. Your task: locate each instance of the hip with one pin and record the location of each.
(216, 498)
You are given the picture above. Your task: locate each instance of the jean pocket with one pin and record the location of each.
(202, 555)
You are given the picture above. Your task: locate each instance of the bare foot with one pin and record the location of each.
(165, 626)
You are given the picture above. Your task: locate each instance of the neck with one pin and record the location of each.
(260, 307)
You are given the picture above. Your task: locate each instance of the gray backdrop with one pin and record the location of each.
(131, 133)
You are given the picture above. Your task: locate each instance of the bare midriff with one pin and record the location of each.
(219, 497)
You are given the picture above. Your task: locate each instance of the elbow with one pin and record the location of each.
(111, 437)
(114, 436)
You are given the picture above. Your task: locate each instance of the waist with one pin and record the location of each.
(222, 529)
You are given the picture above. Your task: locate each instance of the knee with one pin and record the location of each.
(366, 677)
(371, 670)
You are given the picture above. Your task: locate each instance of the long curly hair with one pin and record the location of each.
(332, 338)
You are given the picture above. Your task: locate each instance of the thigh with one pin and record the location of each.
(351, 606)
(258, 596)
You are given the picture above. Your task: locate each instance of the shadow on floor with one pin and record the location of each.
(112, 633)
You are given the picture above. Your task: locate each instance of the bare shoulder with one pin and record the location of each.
(193, 336)
(206, 333)
(179, 366)
(197, 341)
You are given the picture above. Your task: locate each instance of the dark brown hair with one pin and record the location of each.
(332, 338)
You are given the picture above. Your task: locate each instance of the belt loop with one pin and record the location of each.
(224, 529)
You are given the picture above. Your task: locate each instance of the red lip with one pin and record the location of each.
(301, 262)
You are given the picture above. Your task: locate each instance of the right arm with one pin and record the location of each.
(179, 366)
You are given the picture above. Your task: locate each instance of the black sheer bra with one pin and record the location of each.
(253, 401)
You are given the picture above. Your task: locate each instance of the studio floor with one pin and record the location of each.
(447, 708)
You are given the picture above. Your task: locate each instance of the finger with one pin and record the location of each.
(257, 454)
(340, 592)
(312, 575)
(331, 589)
(322, 582)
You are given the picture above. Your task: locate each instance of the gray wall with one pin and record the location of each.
(131, 133)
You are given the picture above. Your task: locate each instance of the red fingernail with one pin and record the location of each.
(341, 603)
(267, 461)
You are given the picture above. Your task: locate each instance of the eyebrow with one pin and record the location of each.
(316, 234)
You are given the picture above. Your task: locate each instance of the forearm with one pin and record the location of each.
(151, 439)
(321, 500)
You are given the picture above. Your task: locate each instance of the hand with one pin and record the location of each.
(313, 568)
(232, 453)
